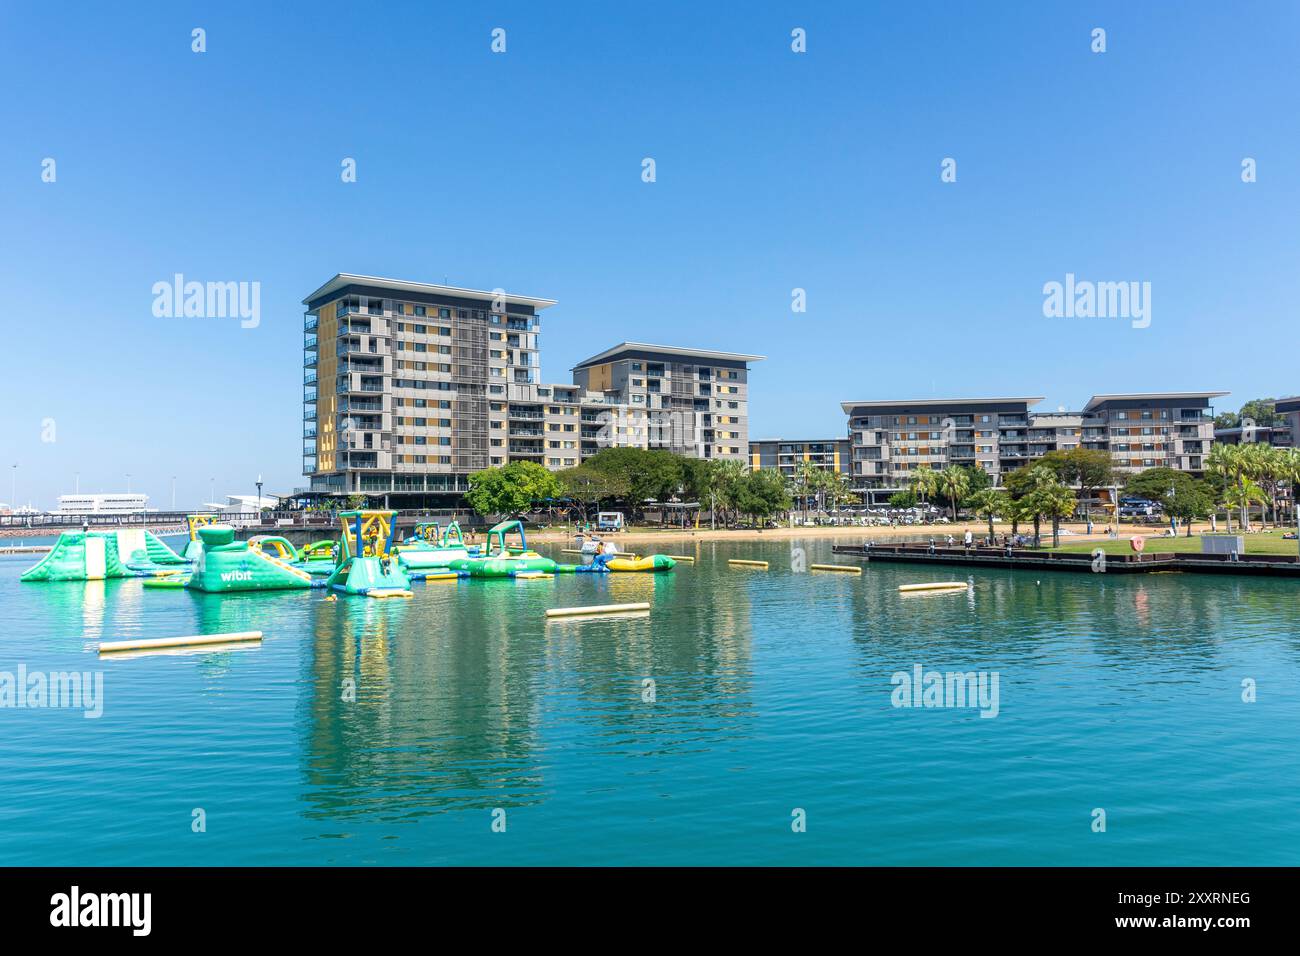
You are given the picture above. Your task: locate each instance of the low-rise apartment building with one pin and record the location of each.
(830, 454)
(891, 439)
(1152, 429)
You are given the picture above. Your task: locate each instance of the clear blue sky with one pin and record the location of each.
(522, 170)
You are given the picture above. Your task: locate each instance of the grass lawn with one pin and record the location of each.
(1268, 542)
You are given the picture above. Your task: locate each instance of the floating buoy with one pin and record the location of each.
(935, 586)
(598, 609)
(197, 640)
(748, 564)
(850, 568)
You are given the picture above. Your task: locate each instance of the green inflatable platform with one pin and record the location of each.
(225, 564)
(96, 555)
(368, 564)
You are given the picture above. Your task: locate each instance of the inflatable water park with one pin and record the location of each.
(366, 560)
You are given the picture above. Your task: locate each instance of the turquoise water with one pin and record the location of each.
(772, 692)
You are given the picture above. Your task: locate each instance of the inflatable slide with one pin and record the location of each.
(95, 555)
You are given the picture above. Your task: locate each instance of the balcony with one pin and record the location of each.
(360, 405)
(310, 322)
(309, 377)
(309, 359)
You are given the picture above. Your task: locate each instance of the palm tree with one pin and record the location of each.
(806, 476)
(953, 483)
(1289, 465)
(1229, 461)
(1267, 465)
(1243, 495)
(1047, 498)
(924, 482)
(989, 503)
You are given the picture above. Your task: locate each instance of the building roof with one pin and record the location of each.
(797, 441)
(1291, 402)
(921, 402)
(623, 347)
(1141, 396)
(344, 279)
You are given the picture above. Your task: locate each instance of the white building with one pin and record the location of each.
(241, 510)
(113, 503)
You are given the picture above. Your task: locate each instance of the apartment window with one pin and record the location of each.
(420, 310)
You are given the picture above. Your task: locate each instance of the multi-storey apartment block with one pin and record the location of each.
(1289, 409)
(1282, 433)
(691, 401)
(830, 454)
(1152, 429)
(891, 439)
(399, 377)
(409, 387)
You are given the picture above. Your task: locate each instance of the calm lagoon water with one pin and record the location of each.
(773, 692)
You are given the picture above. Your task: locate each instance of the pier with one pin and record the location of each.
(1266, 565)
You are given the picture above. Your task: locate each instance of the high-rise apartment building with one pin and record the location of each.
(691, 401)
(409, 388)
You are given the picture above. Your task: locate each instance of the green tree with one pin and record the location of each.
(651, 474)
(589, 487)
(510, 490)
(1263, 411)
(1036, 492)
(1052, 500)
(954, 483)
(761, 494)
(903, 499)
(1180, 495)
(1229, 462)
(989, 503)
(924, 482)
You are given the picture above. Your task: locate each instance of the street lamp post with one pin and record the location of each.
(173, 492)
(257, 507)
(13, 490)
